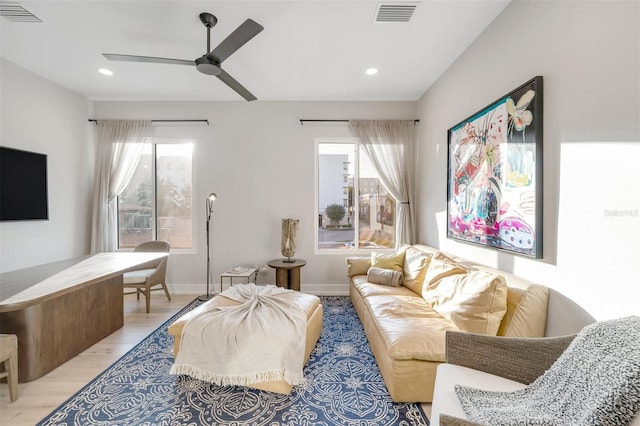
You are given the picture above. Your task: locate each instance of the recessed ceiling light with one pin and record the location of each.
(105, 71)
(371, 71)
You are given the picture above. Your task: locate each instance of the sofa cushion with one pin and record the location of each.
(526, 311)
(441, 266)
(393, 261)
(475, 302)
(137, 277)
(409, 327)
(358, 265)
(387, 277)
(365, 288)
(416, 263)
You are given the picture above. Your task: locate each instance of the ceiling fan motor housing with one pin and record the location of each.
(208, 66)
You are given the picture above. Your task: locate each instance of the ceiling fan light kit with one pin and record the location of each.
(210, 62)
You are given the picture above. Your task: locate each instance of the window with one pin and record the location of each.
(355, 211)
(156, 204)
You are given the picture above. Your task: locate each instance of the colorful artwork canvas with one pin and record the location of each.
(494, 182)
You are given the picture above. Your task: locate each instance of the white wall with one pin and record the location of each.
(260, 161)
(40, 116)
(588, 53)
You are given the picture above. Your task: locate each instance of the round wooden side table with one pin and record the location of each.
(287, 274)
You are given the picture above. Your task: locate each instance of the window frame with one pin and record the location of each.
(357, 250)
(154, 141)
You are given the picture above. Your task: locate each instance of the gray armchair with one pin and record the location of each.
(518, 359)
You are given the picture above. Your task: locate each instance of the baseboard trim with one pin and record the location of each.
(326, 289)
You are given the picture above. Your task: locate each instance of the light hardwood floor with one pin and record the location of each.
(39, 397)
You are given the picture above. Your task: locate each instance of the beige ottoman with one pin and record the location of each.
(308, 302)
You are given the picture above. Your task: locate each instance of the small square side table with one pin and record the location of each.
(248, 274)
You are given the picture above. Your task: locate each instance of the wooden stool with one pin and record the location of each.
(9, 356)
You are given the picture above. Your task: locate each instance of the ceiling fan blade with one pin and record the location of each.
(149, 59)
(233, 83)
(238, 38)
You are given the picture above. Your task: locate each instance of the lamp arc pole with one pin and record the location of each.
(209, 204)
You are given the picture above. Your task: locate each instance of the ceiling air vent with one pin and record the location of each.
(395, 12)
(17, 13)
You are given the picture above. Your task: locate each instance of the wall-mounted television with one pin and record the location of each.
(23, 185)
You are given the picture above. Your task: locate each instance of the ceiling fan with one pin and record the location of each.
(210, 62)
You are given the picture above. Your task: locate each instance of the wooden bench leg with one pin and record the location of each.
(9, 357)
(12, 378)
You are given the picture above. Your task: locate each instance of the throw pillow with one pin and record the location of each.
(475, 302)
(441, 266)
(393, 261)
(416, 263)
(387, 277)
(358, 266)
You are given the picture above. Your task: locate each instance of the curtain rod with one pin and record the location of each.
(303, 120)
(167, 121)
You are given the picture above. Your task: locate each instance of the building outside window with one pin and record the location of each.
(355, 211)
(157, 202)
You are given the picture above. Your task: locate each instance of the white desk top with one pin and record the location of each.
(26, 287)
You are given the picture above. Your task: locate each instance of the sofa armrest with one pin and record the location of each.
(520, 359)
(454, 421)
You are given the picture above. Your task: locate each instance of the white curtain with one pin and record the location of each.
(390, 146)
(119, 146)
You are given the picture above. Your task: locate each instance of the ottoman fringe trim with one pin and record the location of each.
(238, 380)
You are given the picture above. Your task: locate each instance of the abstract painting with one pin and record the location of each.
(494, 174)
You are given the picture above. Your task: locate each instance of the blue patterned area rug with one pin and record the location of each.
(343, 386)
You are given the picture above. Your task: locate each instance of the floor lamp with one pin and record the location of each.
(210, 199)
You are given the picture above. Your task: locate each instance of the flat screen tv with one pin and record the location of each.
(23, 185)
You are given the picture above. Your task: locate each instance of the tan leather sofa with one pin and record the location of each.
(407, 336)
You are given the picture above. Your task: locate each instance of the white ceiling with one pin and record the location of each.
(309, 50)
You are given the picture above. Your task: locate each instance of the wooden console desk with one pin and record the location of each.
(60, 309)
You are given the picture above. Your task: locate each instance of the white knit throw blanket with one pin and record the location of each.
(261, 339)
(595, 382)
